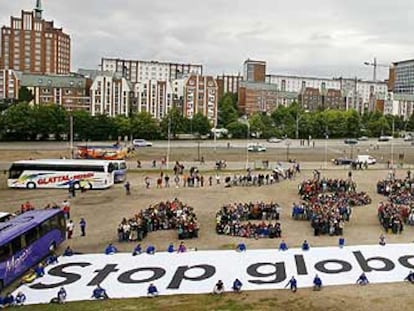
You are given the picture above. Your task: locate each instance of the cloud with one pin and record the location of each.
(320, 37)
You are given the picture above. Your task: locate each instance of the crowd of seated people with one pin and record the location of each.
(169, 215)
(327, 204)
(238, 220)
(393, 216)
(399, 209)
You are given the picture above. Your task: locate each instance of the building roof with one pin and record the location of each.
(258, 86)
(60, 81)
(403, 62)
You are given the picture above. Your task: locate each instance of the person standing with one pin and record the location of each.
(82, 225)
(70, 227)
(127, 186)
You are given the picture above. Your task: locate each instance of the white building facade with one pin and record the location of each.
(138, 71)
(398, 104)
(110, 95)
(357, 94)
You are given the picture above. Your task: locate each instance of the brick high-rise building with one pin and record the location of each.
(201, 96)
(33, 45)
(254, 71)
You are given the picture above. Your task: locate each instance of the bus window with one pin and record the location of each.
(31, 236)
(62, 222)
(16, 245)
(116, 166)
(5, 252)
(122, 166)
(45, 227)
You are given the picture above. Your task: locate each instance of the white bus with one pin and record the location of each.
(60, 173)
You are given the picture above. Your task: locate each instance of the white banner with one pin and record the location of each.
(123, 275)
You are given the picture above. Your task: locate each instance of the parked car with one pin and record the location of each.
(350, 141)
(385, 138)
(342, 161)
(256, 148)
(274, 140)
(408, 138)
(363, 138)
(141, 143)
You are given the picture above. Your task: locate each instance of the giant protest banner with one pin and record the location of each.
(124, 275)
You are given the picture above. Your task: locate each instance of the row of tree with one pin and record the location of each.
(25, 122)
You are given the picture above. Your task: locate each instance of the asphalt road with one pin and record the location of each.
(222, 143)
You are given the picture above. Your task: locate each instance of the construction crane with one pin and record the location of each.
(375, 65)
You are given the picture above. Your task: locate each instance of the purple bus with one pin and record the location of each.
(26, 239)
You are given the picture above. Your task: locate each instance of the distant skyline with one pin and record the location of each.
(313, 38)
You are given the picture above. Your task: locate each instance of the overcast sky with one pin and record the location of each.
(315, 38)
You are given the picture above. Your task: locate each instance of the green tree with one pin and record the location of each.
(227, 113)
(201, 124)
(257, 125)
(82, 124)
(123, 125)
(237, 129)
(50, 119)
(19, 121)
(103, 128)
(25, 95)
(143, 125)
(175, 121)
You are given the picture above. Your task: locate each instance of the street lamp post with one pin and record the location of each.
(71, 135)
(392, 144)
(326, 149)
(247, 143)
(287, 150)
(169, 142)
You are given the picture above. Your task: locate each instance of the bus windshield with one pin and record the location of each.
(120, 171)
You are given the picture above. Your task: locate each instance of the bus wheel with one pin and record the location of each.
(89, 186)
(31, 185)
(76, 186)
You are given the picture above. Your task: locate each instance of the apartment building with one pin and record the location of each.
(399, 104)
(257, 97)
(110, 95)
(356, 94)
(402, 77)
(69, 91)
(33, 45)
(154, 97)
(201, 96)
(228, 84)
(254, 71)
(9, 85)
(138, 71)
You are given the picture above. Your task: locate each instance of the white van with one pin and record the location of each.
(366, 158)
